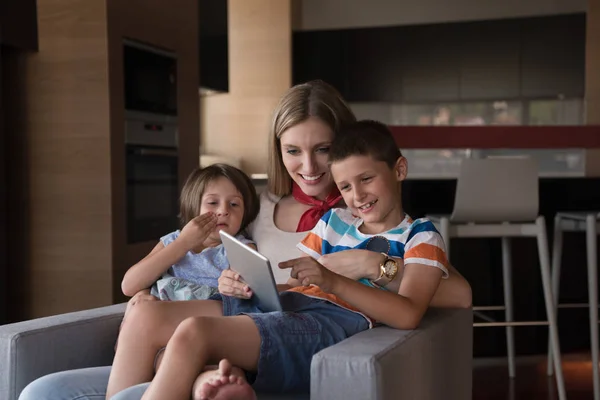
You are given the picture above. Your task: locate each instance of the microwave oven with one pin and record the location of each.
(150, 78)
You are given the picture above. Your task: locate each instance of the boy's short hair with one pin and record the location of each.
(195, 185)
(365, 138)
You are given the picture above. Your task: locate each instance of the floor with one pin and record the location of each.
(491, 382)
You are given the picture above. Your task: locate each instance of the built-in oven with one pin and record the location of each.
(151, 141)
(152, 192)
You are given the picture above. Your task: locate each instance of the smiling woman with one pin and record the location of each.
(304, 150)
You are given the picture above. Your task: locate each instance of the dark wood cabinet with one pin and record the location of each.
(373, 66)
(430, 64)
(489, 60)
(553, 57)
(18, 24)
(18, 33)
(3, 211)
(318, 56)
(468, 61)
(214, 46)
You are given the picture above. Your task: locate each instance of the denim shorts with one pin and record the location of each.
(289, 339)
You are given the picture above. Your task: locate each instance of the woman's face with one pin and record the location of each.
(304, 148)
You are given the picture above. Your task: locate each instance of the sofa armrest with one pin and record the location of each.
(429, 363)
(31, 349)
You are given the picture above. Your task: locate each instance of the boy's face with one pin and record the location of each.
(370, 190)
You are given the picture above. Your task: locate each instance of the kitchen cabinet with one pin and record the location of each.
(538, 57)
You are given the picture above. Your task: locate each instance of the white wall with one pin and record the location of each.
(339, 14)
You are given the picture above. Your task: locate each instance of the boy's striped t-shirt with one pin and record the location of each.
(416, 242)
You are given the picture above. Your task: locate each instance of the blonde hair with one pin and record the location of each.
(311, 99)
(195, 185)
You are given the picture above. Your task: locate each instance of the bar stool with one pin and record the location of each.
(499, 198)
(590, 224)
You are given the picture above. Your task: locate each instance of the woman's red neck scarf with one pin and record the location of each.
(309, 219)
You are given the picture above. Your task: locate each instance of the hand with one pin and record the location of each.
(195, 232)
(139, 297)
(309, 272)
(230, 284)
(354, 264)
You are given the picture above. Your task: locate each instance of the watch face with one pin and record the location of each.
(390, 267)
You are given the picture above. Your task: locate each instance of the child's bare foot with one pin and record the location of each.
(225, 383)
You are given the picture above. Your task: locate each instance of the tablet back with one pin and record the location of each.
(255, 270)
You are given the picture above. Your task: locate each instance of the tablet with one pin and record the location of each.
(255, 270)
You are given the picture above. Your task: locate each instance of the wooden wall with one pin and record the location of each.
(68, 181)
(236, 124)
(64, 148)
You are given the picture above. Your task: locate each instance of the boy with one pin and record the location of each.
(323, 308)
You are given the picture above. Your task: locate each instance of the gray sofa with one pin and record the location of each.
(431, 362)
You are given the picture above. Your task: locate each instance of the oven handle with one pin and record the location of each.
(157, 152)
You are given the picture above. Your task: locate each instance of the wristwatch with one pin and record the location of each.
(389, 270)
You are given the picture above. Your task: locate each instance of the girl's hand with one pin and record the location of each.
(309, 272)
(355, 264)
(139, 297)
(142, 295)
(195, 232)
(230, 284)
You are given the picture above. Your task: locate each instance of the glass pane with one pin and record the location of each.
(556, 112)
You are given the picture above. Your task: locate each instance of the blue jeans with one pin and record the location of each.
(289, 339)
(77, 384)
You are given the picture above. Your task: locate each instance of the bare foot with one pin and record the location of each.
(225, 383)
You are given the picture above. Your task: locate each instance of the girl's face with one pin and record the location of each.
(222, 197)
(304, 149)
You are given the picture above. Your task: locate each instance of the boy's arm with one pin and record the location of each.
(401, 310)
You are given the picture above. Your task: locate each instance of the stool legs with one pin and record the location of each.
(556, 260)
(445, 232)
(508, 304)
(592, 262)
(542, 240)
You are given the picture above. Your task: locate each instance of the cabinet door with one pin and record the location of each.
(3, 210)
(18, 24)
(430, 64)
(319, 55)
(373, 67)
(553, 56)
(489, 62)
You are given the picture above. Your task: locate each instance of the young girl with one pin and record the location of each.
(186, 264)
